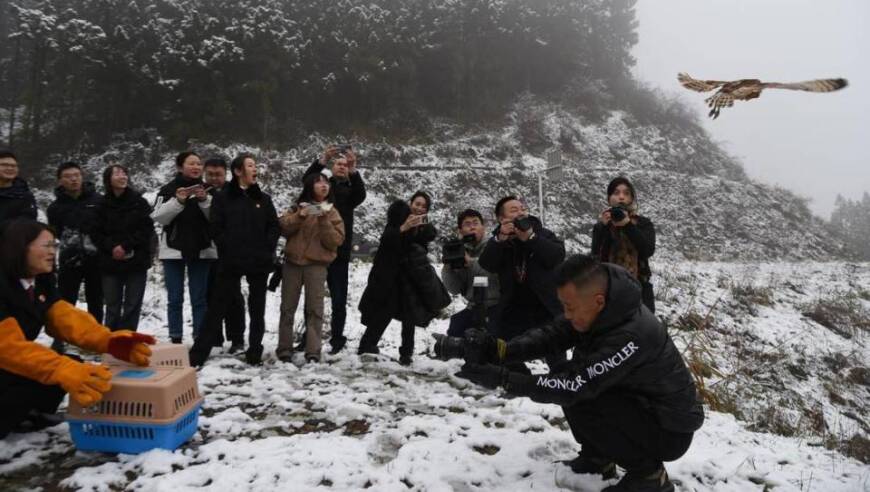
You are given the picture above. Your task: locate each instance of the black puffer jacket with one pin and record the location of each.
(244, 226)
(541, 255)
(401, 275)
(349, 194)
(17, 202)
(124, 220)
(626, 350)
(73, 220)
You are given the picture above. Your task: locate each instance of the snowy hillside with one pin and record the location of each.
(703, 205)
(348, 424)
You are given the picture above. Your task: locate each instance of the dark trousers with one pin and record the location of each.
(123, 293)
(20, 396)
(234, 317)
(336, 281)
(70, 278)
(226, 285)
(375, 331)
(464, 320)
(621, 428)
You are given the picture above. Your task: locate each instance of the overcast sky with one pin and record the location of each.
(817, 145)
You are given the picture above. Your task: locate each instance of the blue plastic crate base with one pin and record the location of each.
(130, 438)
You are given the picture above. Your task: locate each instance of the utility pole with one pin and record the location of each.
(554, 171)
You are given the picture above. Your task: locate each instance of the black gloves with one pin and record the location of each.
(487, 375)
(483, 348)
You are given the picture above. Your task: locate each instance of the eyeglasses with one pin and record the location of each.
(50, 245)
(9, 165)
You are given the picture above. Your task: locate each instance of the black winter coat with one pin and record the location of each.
(244, 226)
(402, 284)
(17, 202)
(15, 303)
(349, 194)
(542, 255)
(124, 220)
(73, 220)
(626, 350)
(642, 235)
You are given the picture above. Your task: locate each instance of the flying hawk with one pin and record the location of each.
(746, 89)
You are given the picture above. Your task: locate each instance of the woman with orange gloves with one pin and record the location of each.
(34, 378)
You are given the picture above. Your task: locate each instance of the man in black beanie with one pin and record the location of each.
(623, 237)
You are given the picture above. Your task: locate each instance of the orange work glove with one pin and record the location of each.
(130, 346)
(84, 382)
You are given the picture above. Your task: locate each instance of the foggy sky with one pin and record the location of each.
(816, 145)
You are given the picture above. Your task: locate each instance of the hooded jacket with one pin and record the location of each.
(73, 219)
(402, 284)
(626, 350)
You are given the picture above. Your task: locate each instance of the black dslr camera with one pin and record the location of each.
(617, 214)
(447, 347)
(453, 251)
(523, 223)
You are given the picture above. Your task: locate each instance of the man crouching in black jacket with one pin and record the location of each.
(626, 392)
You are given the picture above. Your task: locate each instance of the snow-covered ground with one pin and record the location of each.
(348, 424)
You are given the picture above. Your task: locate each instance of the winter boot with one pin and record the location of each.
(337, 345)
(254, 355)
(641, 482)
(586, 463)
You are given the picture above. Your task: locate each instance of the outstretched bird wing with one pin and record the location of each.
(699, 85)
(820, 85)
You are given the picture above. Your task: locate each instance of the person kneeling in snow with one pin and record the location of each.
(626, 392)
(34, 378)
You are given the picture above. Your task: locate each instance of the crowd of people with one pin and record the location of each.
(212, 231)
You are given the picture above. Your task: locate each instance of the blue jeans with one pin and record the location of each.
(197, 285)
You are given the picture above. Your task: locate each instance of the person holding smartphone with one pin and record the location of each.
(314, 231)
(122, 234)
(349, 192)
(402, 284)
(182, 208)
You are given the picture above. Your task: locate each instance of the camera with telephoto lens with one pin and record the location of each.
(617, 214)
(523, 223)
(453, 251)
(447, 347)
